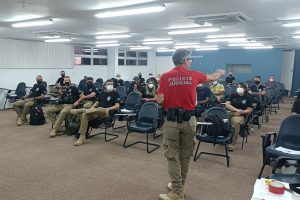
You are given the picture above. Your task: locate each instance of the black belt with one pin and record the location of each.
(179, 114)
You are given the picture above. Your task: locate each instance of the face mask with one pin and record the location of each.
(39, 81)
(230, 75)
(89, 84)
(118, 78)
(200, 85)
(109, 88)
(215, 82)
(240, 91)
(63, 75)
(257, 82)
(150, 86)
(271, 79)
(140, 75)
(67, 83)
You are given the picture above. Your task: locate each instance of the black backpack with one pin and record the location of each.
(36, 116)
(72, 125)
(219, 127)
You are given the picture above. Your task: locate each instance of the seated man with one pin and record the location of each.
(218, 90)
(296, 106)
(118, 81)
(135, 86)
(230, 79)
(149, 91)
(258, 88)
(22, 107)
(203, 99)
(60, 80)
(142, 80)
(240, 105)
(88, 96)
(109, 100)
(69, 94)
(271, 83)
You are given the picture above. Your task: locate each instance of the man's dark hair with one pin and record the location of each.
(90, 79)
(179, 55)
(258, 77)
(109, 80)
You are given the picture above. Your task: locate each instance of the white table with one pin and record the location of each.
(261, 192)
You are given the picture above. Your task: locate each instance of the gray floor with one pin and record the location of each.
(35, 167)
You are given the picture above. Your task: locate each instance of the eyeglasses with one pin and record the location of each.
(189, 59)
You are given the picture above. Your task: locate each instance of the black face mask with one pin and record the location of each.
(63, 75)
(140, 76)
(39, 81)
(89, 84)
(67, 83)
(230, 75)
(257, 82)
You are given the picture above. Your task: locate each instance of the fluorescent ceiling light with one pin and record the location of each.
(188, 47)
(157, 39)
(259, 47)
(238, 35)
(296, 36)
(291, 24)
(111, 32)
(51, 37)
(186, 43)
(193, 31)
(158, 42)
(227, 40)
(131, 11)
(117, 36)
(246, 44)
(207, 49)
(59, 40)
(122, 3)
(165, 50)
(32, 23)
(107, 42)
(107, 45)
(140, 48)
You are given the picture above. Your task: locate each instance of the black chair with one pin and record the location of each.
(146, 123)
(292, 178)
(133, 102)
(226, 139)
(82, 85)
(19, 93)
(288, 138)
(121, 90)
(127, 84)
(229, 90)
(105, 124)
(244, 129)
(99, 83)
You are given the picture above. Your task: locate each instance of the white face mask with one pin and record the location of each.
(150, 86)
(109, 88)
(118, 78)
(215, 82)
(271, 79)
(200, 85)
(240, 91)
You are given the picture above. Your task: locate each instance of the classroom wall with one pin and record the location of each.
(264, 62)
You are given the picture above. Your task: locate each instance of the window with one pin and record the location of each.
(133, 58)
(85, 55)
(239, 68)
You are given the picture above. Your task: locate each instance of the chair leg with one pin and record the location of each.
(156, 136)
(262, 168)
(114, 136)
(156, 146)
(227, 156)
(243, 143)
(5, 103)
(197, 156)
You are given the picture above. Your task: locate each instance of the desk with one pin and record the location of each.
(261, 192)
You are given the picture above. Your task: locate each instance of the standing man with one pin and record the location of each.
(36, 95)
(177, 94)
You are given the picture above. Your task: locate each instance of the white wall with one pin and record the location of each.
(287, 69)
(163, 64)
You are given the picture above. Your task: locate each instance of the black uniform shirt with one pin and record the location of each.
(88, 90)
(241, 102)
(60, 81)
(258, 88)
(37, 90)
(108, 99)
(70, 95)
(296, 106)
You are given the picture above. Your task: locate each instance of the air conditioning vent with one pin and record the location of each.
(53, 33)
(222, 18)
(265, 39)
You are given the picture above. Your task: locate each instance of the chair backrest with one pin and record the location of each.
(82, 85)
(133, 99)
(289, 136)
(127, 84)
(121, 90)
(250, 83)
(100, 81)
(229, 90)
(149, 115)
(21, 90)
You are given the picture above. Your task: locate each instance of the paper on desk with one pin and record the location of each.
(289, 151)
(261, 192)
(126, 111)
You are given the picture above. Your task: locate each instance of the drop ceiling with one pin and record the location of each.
(75, 19)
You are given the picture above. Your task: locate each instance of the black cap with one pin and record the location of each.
(90, 79)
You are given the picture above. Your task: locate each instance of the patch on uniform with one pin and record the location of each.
(90, 90)
(244, 102)
(70, 90)
(37, 89)
(108, 98)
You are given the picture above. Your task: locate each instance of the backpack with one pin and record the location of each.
(36, 116)
(72, 125)
(219, 127)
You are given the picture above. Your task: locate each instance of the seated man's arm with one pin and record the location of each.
(230, 107)
(159, 98)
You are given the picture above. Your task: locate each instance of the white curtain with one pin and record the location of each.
(30, 55)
